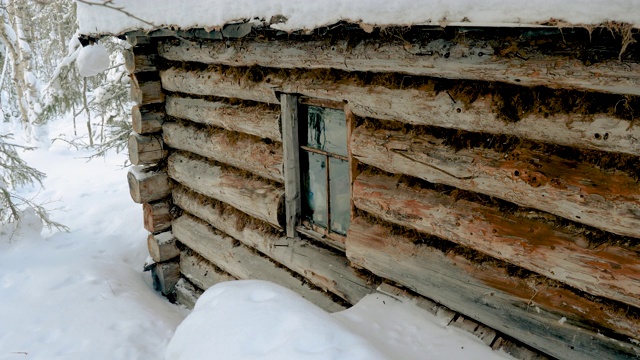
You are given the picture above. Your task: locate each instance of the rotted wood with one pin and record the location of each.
(146, 185)
(577, 191)
(146, 149)
(146, 92)
(200, 271)
(523, 308)
(241, 262)
(146, 120)
(254, 120)
(157, 216)
(162, 247)
(165, 277)
(558, 253)
(475, 60)
(599, 132)
(136, 61)
(255, 197)
(244, 152)
(319, 266)
(186, 294)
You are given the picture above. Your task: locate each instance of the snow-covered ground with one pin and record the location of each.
(83, 295)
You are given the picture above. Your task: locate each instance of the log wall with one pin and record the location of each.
(499, 180)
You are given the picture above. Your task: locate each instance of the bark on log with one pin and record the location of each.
(186, 294)
(146, 92)
(557, 253)
(411, 105)
(320, 266)
(200, 271)
(165, 276)
(522, 308)
(471, 60)
(136, 62)
(162, 247)
(245, 152)
(146, 149)
(577, 191)
(255, 120)
(147, 186)
(146, 121)
(241, 262)
(157, 216)
(257, 198)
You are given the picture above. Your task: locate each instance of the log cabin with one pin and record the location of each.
(491, 174)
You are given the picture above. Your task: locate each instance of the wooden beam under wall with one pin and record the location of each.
(411, 105)
(241, 262)
(186, 294)
(557, 253)
(200, 271)
(255, 197)
(244, 152)
(165, 276)
(291, 150)
(261, 121)
(577, 191)
(472, 60)
(322, 267)
(522, 308)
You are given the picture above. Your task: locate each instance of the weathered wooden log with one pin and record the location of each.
(320, 266)
(291, 152)
(165, 276)
(516, 350)
(241, 262)
(600, 131)
(157, 216)
(533, 244)
(444, 314)
(162, 247)
(476, 61)
(136, 62)
(146, 120)
(200, 271)
(244, 152)
(528, 309)
(146, 149)
(146, 186)
(186, 294)
(577, 191)
(138, 39)
(255, 120)
(146, 92)
(257, 198)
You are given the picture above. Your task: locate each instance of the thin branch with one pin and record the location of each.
(107, 4)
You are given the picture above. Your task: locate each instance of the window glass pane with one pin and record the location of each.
(340, 204)
(315, 189)
(327, 130)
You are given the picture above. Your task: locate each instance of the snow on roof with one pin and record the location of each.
(101, 18)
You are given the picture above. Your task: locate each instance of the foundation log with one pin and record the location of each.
(200, 271)
(165, 276)
(187, 294)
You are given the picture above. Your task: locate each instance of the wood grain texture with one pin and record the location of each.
(291, 150)
(146, 92)
(186, 294)
(165, 277)
(162, 247)
(200, 271)
(157, 216)
(146, 187)
(145, 120)
(136, 61)
(146, 149)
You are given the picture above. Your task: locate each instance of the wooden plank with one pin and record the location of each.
(186, 294)
(162, 247)
(157, 216)
(146, 185)
(165, 276)
(200, 271)
(522, 308)
(411, 105)
(146, 120)
(466, 60)
(146, 92)
(577, 191)
(320, 266)
(291, 150)
(255, 197)
(241, 262)
(533, 244)
(260, 121)
(146, 149)
(241, 151)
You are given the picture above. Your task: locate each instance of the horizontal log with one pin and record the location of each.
(577, 191)
(516, 350)
(146, 92)
(186, 294)
(162, 247)
(319, 266)
(557, 253)
(444, 314)
(468, 60)
(145, 120)
(254, 120)
(201, 272)
(146, 186)
(241, 261)
(248, 153)
(257, 198)
(157, 216)
(146, 149)
(165, 277)
(525, 309)
(599, 131)
(136, 62)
